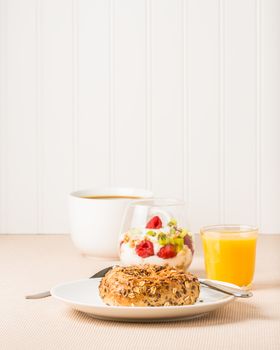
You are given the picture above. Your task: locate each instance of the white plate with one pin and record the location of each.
(83, 295)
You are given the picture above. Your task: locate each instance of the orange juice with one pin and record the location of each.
(229, 255)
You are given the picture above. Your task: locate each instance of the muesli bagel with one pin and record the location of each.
(148, 285)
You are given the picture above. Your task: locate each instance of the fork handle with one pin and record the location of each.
(39, 295)
(226, 289)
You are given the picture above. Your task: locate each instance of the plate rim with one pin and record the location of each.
(227, 299)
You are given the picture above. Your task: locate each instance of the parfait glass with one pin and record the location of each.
(155, 231)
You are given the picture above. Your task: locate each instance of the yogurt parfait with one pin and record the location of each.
(157, 244)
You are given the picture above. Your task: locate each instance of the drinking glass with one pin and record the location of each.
(155, 231)
(229, 253)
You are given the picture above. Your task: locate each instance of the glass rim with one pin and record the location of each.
(237, 229)
(157, 202)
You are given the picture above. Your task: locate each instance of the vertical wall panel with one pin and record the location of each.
(181, 96)
(3, 106)
(240, 111)
(203, 112)
(166, 98)
(19, 117)
(129, 92)
(56, 94)
(270, 115)
(93, 90)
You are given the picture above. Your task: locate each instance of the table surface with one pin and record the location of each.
(32, 263)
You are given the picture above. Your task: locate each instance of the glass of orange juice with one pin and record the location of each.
(229, 253)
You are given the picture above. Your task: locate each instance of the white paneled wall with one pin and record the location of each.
(180, 96)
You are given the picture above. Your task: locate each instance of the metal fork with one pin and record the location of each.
(46, 294)
(237, 292)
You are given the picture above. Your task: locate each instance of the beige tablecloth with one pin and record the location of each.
(35, 263)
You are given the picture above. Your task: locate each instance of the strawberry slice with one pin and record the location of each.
(145, 249)
(167, 252)
(155, 222)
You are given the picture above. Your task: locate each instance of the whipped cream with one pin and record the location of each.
(128, 256)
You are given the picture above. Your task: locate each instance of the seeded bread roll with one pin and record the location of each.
(148, 285)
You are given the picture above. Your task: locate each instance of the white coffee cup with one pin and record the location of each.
(95, 223)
